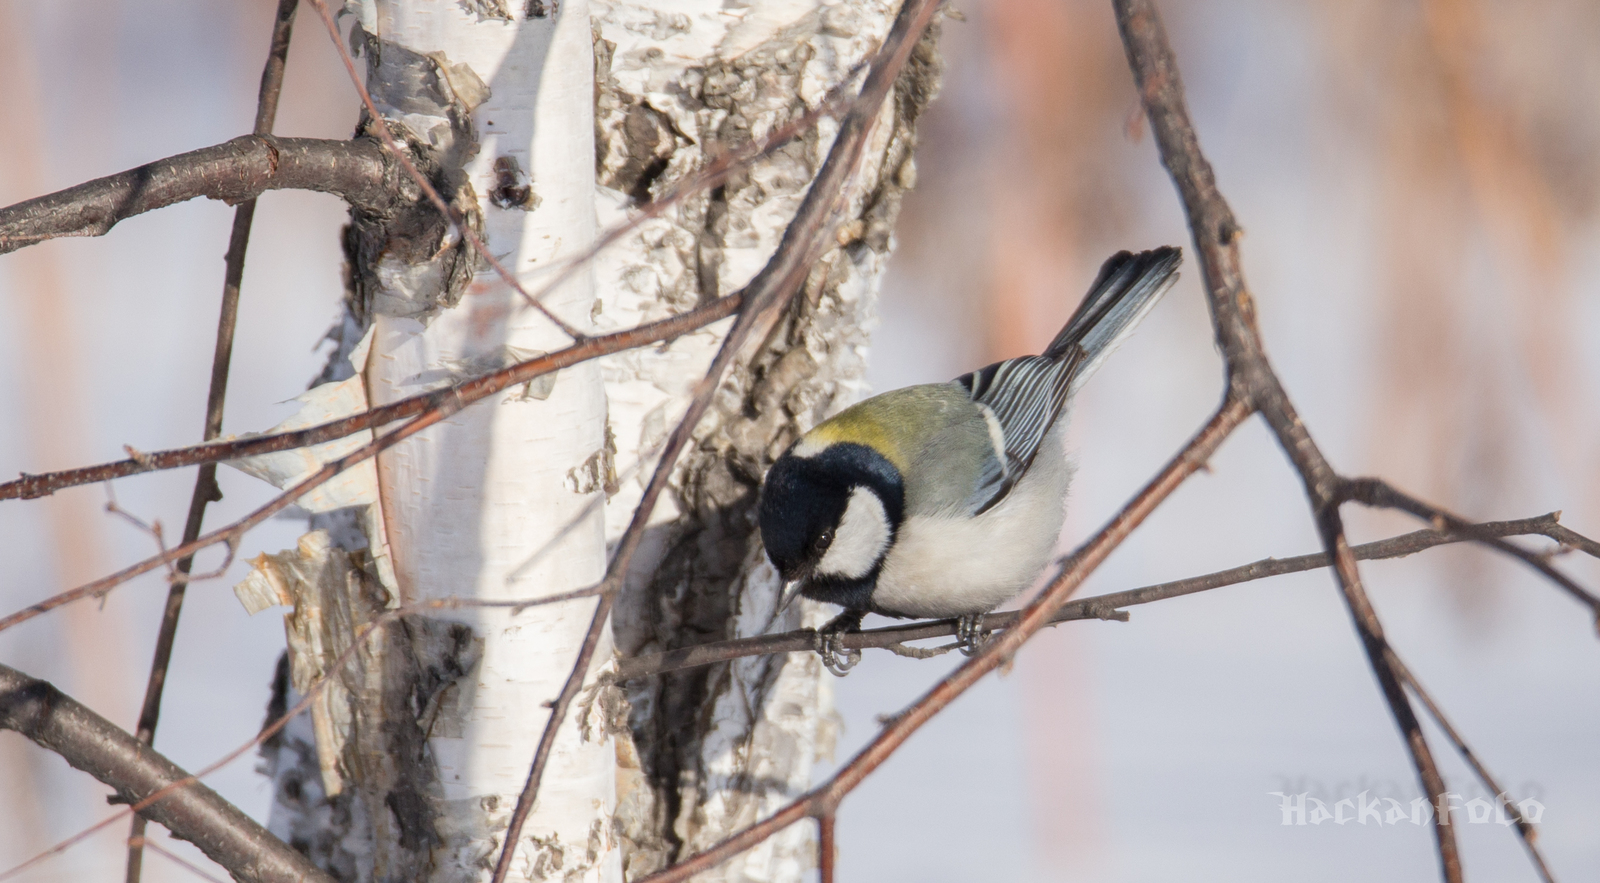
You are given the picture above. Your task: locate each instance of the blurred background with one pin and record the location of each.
(1418, 187)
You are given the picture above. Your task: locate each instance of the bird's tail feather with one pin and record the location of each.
(1128, 286)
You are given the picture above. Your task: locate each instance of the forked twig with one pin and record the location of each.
(1525, 829)
(1380, 494)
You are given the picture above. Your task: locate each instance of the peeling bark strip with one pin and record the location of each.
(193, 812)
(495, 107)
(359, 171)
(715, 749)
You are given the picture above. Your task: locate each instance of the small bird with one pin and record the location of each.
(946, 499)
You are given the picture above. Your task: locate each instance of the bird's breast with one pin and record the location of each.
(953, 565)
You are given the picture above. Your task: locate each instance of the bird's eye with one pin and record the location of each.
(824, 540)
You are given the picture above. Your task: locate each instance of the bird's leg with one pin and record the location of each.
(970, 634)
(837, 659)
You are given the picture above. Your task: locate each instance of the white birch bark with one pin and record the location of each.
(508, 498)
(496, 502)
(493, 503)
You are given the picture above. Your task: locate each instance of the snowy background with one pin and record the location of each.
(1418, 190)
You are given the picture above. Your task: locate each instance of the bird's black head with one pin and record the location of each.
(830, 517)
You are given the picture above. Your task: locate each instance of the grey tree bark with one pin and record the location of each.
(718, 748)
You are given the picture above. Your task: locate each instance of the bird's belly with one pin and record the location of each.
(954, 566)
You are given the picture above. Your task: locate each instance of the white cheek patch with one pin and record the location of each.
(860, 540)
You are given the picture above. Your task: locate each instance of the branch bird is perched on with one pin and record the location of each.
(934, 500)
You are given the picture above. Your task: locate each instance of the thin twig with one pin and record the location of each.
(1525, 829)
(141, 843)
(205, 484)
(1380, 494)
(443, 404)
(804, 241)
(825, 846)
(1250, 374)
(1104, 607)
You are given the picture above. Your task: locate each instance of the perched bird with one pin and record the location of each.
(946, 499)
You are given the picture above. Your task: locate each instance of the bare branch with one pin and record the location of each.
(205, 484)
(359, 171)
(1380, 494)
(1103, 607)
(1252, 386)
(439, 405)
(273, 727)
(715, 172)
(142, 843)
(1250, 375)
(1524, 827)
(90, 743)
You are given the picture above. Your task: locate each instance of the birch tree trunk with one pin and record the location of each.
(494, 502)
(717, 749)
(410, 767)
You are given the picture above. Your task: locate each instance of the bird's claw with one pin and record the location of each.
(971, 636)
(836, 658)
(829, 643)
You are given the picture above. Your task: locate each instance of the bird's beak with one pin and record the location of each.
(791, 591)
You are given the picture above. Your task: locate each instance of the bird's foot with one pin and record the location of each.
(971, 636)
(837, 658)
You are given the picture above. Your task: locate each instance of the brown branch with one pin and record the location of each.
(715, 172)
(90, 743)
(1525, 829)
(141, 842)
(359, 171)
(804, 241)
(441, 404)
(1380, 494)
(824, 799)
(205, 484)
(1251, 376)
(1101, 607)
(273, 727)
(826, 851)
(1252, 386)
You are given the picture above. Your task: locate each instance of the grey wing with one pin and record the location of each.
(1025, 396)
